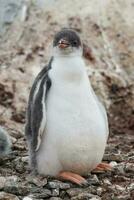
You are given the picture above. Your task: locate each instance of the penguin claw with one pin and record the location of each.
(84, 184)
(103, 167)
(74, 178)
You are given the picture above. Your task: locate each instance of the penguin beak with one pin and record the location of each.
(63, 44)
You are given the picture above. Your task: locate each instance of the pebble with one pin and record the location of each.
(30, 197)
(12, 185)
(129, 167)
(99, 191)
(113, 163)
(55, 192)
(74, 191)
(119, 188)
(2, 182)
(13, 139)
(8, 196)
(119, 169)
(131, 159)
(27, 198)
(85, 195)
(38, 181)
(58, 184)
(19, 147)
(124, 197)
(40, 193)
(19, 165)
(113, 157)
(93, 180)
(131, 187)
(11, 180)
(25, 159)
(107, 182)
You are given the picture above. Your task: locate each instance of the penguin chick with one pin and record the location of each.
(5, 142)
(67, 126)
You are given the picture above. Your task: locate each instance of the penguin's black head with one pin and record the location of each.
(66, 41)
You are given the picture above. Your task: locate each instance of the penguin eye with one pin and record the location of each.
(75, 43)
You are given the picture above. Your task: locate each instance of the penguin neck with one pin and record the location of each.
(68, 68)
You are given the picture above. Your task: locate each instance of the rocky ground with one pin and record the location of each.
(17, 183)
(110, 62)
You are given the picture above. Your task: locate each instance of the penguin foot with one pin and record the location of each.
(102, 167)
(74, 178)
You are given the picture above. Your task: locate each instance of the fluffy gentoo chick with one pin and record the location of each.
(67, 126)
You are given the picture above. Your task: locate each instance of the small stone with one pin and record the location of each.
(55, 192)
(99, 191)
(74, 191)
(12, 185)
(2, 182)
(7, 196)
(27, 198)
(58, 184)
(93, 180)
(113, 163)
(132, 194)
(113, 157)
(25, 159)
(119, 169)
(129, 167)
(41, 194)
(13, 139)
(95, 198)
(11, 179)
(19, 147)
(85, 195)
(131, 187)
(119, 188)
(19, 165)
(39, 181)
(124, 197)
(131, 159)
(31, 197)
(107, 182)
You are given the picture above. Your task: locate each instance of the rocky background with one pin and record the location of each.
(26, 31)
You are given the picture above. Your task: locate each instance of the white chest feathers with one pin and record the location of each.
(76, 125)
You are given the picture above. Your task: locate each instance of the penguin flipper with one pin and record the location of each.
(38, 119)
(36, 111)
